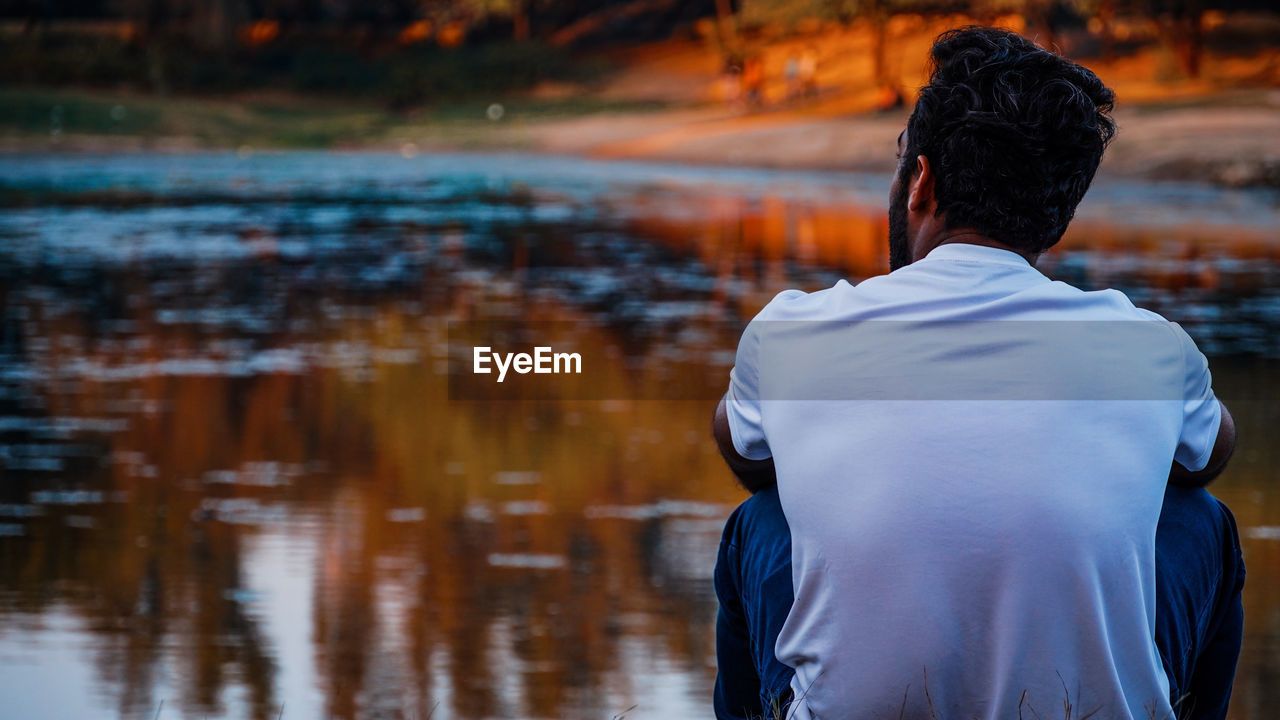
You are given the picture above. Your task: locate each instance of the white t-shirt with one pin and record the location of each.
(972, 460)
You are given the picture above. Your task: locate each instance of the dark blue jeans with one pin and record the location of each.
(1199, 618)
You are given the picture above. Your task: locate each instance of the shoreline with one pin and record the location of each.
(1228, 140)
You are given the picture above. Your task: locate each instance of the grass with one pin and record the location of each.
(303, 92)
(49, 115)
(43, 117)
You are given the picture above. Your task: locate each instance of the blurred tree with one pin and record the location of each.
(212, 44)
(214, 22)
(1179, 23)
(726, 24)
(787, 13)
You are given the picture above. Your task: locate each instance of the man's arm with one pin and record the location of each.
(1223, 447)
(754, 475)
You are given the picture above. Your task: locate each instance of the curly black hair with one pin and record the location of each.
(1013, 132)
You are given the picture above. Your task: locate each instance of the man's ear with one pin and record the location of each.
(920, 189)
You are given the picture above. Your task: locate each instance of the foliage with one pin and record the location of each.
(403, 78)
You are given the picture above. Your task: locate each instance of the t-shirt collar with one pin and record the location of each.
(977, 253)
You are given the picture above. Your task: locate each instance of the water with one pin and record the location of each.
(237, 480)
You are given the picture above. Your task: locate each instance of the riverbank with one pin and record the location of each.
(668, 102)
(1230, 138)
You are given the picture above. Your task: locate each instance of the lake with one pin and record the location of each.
(240, 477)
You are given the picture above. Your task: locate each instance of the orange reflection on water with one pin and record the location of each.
(303, 512)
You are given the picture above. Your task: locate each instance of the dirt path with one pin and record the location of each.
(1237, 146)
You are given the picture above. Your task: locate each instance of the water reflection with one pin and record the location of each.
(234, 479)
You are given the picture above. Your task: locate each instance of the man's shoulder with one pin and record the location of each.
(800, 305)
(1092, 315)
(903, 293)
(1058, 297)
(846, 300)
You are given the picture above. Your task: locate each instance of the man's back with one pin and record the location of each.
(971, 459)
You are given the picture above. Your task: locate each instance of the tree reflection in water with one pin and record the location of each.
(236, 463)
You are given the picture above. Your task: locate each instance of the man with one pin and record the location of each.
(989, 486)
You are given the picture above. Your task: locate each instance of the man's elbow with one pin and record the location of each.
(752, 475)
(1223, 448)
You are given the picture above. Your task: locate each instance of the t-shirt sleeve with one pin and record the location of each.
(742, 402)
(1201, 413)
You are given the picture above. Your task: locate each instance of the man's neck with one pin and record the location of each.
(972, 237)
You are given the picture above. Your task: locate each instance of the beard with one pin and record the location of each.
(899, 247)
